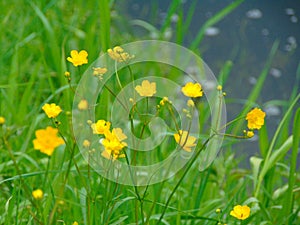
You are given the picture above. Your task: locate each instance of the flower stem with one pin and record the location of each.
(183, 176)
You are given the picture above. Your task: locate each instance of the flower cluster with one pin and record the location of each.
(118, 54)
(113, 141)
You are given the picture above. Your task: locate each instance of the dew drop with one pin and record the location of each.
(254, 14)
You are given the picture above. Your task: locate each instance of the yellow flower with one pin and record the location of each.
(146, 89)
(240, 212)
(255, 118)
(113, 144)
(192, 90)
(83, 105)
(86, 143)
(52, 110)
(2, 120)
(218, 210)
(219, 88)
(250, 134)
(98, 71)
(37, 194)
(100, 127)
(184, 140)
(190, 103)
(75, 223)
(118, 54)
(78, 59)
(46, 140)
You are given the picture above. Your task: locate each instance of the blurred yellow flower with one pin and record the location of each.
(147, 89)
(250, 134)
(118, 54)
(83, 104)
(98, 71)
(78, 59)
(192, 90)
(2, 120)
(100, 127)
(86, 143)
(240, 212)
(37, 194)
(46, 140)
(52, 110)
(184, 140)
(219, 88)
(75, 223)
(113, 144)
(190, 103)
(255, 118)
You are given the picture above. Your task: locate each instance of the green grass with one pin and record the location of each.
(37, 37)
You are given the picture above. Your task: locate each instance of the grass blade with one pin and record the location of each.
(213, 20)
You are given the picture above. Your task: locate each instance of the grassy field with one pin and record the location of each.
(71, 174)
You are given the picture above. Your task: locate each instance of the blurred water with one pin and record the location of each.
(245, 37)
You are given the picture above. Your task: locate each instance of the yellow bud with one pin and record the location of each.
(2, 120)
(67, 74)
(37, 194)
(86, 143)
(83, 105)
(250, 134)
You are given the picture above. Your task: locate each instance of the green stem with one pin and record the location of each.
(183, 176)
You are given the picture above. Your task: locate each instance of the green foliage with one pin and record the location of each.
(37, 37)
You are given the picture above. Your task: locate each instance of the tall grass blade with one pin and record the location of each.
(258, 87)
(288, 200)
(213, 20)
(267, 162)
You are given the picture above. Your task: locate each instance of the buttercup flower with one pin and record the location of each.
(75, 223)
(100, 127)
(113, 144)
(240, 212)
(37, 194)
(83, 105)
(47, 140)
(192, 90)
(52, 110)
(184, 140)
(147, 89)
(255, 118)
(78, 59)
(118, 54)
(2, 120)
(219, 88)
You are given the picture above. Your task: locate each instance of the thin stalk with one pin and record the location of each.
(182, 177)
